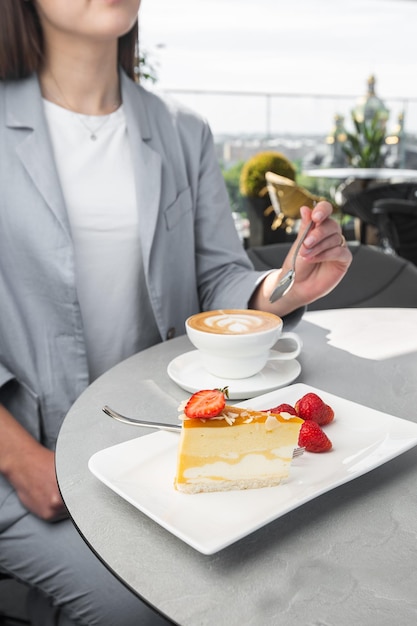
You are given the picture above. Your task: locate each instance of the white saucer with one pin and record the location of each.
(188, 372)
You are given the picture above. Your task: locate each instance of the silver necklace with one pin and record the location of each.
(93, 132)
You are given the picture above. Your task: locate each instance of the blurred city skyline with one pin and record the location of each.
(322, 48)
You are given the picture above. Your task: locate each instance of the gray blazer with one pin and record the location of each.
(192, 256)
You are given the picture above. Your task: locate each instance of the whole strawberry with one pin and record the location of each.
(312, 407)
(327, 416)
(283, 408)
(313, 438)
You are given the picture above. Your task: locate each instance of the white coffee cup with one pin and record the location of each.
(236, 343)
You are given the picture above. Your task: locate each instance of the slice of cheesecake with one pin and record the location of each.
(238, 449)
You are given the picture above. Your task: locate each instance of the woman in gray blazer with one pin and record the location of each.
(114, 227)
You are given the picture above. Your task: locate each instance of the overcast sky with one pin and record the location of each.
(301, 46)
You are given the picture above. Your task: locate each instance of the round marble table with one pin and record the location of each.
(346, 557)
(366, 173)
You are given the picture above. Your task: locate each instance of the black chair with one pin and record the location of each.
(391, 209)
(374, 279)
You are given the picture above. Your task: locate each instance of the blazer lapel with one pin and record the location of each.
(146, 163)
(24, 113)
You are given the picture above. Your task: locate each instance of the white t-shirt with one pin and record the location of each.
(98, 186)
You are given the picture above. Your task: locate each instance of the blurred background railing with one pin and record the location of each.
(270, 113)
(298, 124)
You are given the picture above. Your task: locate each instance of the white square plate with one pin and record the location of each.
(142, 471)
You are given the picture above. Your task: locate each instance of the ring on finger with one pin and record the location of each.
(342, 243)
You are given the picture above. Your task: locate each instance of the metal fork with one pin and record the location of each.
(298, 452)
(160, 425)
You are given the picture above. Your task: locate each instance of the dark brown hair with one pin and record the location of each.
(21, 42)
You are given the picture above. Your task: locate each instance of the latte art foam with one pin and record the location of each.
(234, 322)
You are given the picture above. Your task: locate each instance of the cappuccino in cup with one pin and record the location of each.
(236, 343)
(233, 321)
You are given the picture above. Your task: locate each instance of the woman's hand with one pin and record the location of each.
(30, 469)
(322, 262)
(36, 485)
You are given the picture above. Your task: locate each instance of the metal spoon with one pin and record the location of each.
(287, 280)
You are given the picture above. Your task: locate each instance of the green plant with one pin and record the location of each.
(252, 178)
(231, 177)
(145, 68)
(364, 147)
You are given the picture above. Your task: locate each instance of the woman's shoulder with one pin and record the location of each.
(20, 94)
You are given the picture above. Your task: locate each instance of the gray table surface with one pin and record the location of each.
(346, 557)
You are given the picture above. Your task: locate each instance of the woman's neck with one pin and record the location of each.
(85, 83)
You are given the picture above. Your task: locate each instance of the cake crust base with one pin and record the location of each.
(229, 485)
